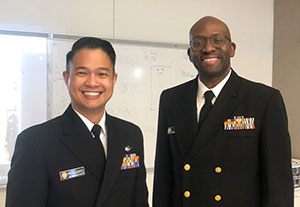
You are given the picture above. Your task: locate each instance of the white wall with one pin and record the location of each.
(251, 24)
(2, 197)
(88, 17)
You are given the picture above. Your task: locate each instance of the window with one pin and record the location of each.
(23, 84)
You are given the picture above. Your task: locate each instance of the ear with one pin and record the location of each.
(115, 78)
(189, 53)
(233, 47)
(66, 77)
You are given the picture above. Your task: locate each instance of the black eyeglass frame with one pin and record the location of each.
(210, 40)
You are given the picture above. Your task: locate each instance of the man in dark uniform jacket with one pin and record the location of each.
(84, 157)
(228, 147)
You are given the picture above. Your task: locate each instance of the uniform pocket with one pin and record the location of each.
(127, 173)
(239, 133)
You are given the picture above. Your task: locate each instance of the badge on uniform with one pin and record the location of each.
(239, 123)
(171, 130)
(127, 148)
(130, 161)
(71, 173)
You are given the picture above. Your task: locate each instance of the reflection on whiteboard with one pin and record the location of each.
(143, 73)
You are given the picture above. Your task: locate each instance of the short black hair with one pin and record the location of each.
(91, 43)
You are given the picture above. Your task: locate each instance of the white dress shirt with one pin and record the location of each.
(202, 89)
(103, 134)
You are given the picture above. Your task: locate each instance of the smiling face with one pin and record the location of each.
(90, 81)
(212, 63)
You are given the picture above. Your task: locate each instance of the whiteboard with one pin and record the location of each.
(144, 71)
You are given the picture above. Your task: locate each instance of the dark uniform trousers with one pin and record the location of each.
(222, 163)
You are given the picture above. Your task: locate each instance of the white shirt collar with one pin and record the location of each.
(90, 124)
(216, 90)
(202, 89)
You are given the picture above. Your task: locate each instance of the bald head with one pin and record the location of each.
(210, 50)
(211, 25)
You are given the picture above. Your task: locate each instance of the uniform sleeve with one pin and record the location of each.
(27, 180)
(162, 189)
(141, 192)
(275, 152)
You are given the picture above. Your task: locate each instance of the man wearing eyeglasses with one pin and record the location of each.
(222, 140)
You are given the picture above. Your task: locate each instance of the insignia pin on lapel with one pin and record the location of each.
(128, 148)
(171, 130)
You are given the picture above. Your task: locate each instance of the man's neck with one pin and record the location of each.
(211, 82)
(93, 116)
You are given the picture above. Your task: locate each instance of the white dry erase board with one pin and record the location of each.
(144, 71)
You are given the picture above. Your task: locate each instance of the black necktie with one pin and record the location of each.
(102, 161)
(96, 132)
(206, 107)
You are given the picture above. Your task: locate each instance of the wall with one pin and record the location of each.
(2, 197)
(251, 24)
(153, 20)
(286, 74)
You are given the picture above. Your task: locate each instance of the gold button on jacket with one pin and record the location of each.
(187, 167)
(218, 197)
(187, 194)
(218, 169)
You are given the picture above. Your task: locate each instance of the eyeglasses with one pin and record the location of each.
(216, 40)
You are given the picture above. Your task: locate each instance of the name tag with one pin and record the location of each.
(71, 173)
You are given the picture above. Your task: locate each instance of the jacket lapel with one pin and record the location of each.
(185, 116)
(115, 153)
(78, 139)
(225, 104)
